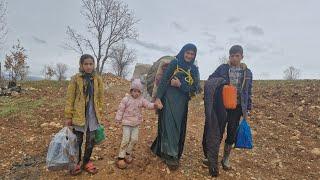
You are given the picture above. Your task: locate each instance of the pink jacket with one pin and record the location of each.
(130, 110)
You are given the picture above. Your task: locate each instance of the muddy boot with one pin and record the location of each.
(205, 162)
(214, 172)
(225, 161)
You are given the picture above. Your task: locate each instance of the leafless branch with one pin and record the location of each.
(108, 23)
(60, 71)
(291, 73)
(121, 58)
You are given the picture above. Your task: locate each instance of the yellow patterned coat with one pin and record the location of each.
(76, 99)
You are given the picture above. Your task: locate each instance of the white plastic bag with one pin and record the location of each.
(63, 150)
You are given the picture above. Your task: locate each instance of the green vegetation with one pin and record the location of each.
(9, 106)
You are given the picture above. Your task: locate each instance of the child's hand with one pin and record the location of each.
(68, 122)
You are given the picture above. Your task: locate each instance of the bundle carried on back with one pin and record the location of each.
(155, 74)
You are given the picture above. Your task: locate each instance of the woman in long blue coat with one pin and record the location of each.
(179, 82)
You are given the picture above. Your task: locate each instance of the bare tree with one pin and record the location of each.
(48, 72)
(223, 60)
(108, 23)
(121, 58)
(15, 62)
(23, 72)
(291, 73)
(3, 21)
(61, 70)
(2, 77)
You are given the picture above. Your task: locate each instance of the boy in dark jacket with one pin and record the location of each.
(238, 75)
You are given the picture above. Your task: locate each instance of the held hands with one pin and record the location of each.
(175, 82)
(158, 104)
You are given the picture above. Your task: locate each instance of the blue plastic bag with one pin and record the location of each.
(244, 137)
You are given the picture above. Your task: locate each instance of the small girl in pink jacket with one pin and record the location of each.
(130, 114)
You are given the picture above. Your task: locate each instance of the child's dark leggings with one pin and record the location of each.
(88, 145)
(233, 118)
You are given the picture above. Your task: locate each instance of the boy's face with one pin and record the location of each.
(88, 65)
(135, 93)
(235, 59)
(189, 55)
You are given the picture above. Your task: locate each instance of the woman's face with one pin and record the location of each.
(88, 65)
(189, 55)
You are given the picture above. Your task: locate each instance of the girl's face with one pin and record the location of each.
(135, 93)
(235, 59)
(88, 65)
(189, 55)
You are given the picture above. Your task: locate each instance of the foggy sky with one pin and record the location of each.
(275, 34)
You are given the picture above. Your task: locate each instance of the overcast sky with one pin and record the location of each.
(275, 34)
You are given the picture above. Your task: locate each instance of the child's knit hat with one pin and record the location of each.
(136, 84)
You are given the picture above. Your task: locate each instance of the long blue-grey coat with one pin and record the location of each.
(246, 90)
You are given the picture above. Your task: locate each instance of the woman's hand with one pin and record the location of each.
(158, 103)
(68, 122)
(175, 82)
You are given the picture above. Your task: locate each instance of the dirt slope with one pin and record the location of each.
(285, 123)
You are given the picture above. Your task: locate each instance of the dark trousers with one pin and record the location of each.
(214, 130)
(88, 145)
(233, 118)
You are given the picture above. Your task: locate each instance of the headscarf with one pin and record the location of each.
(189, 66)
(89, 84)
(182, 63)
(180, 57)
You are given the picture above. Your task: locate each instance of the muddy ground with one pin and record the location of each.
(285, 124)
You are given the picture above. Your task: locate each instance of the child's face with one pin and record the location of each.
(235, 59)
(189, 55)
(88, 65)
(135, 93)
